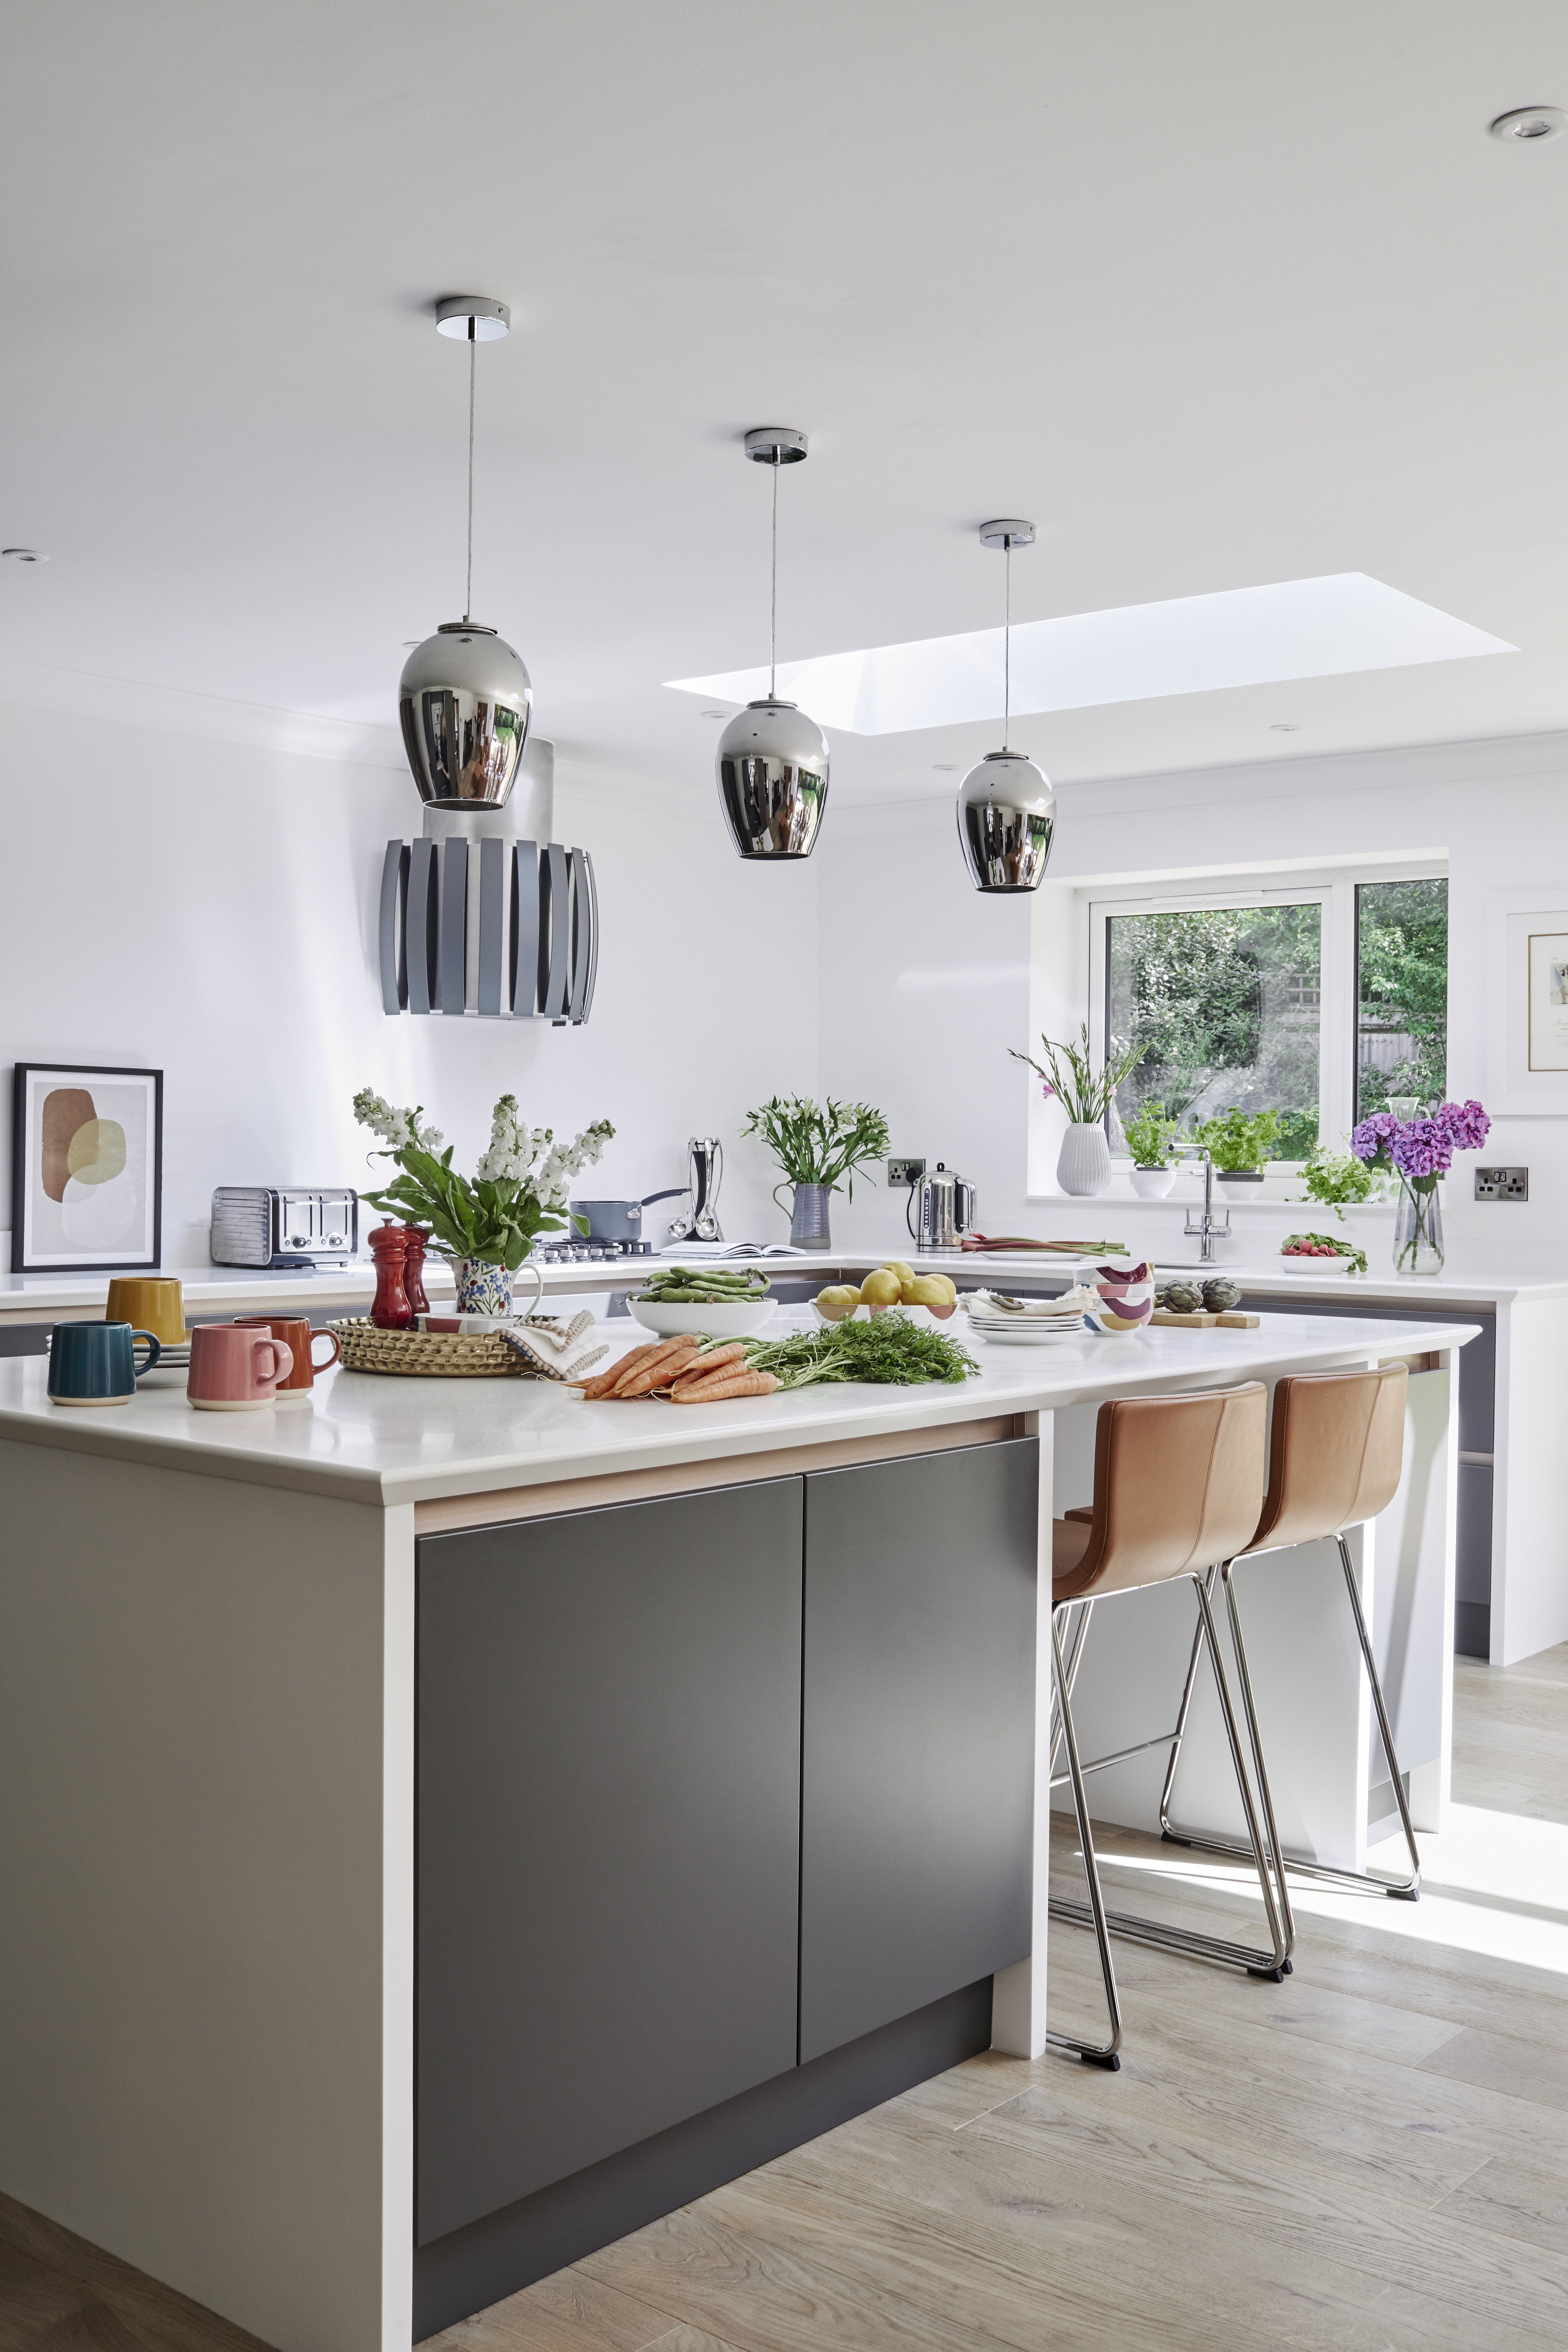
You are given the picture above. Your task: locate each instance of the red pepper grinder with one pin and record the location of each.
(391, 1310)
(414, 1270)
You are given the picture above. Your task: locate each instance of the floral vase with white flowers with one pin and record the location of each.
(1419, 1152)
(486, 1227)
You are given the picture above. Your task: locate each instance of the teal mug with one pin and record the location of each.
(95, 1363)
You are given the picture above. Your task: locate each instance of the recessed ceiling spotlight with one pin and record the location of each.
(945, 767)
(715, 714)
(24, 554)
(1530, 122)
(1284, 727)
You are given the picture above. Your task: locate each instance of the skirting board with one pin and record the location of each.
(461, 2274)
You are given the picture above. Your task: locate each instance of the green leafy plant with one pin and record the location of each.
(890, 1348)
(819, 1145)
(1148, 1133)
(1239, 1140)
(519, 1190)
(1338, 1179)
(1071, 1078)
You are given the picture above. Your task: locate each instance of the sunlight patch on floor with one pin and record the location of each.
(1506, 1856)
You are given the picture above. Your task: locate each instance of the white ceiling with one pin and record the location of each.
(1218, 294)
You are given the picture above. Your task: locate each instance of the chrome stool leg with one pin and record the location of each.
(1401, 1890)
(1273, 1963)
(1092, 2053)
(1168, 1830)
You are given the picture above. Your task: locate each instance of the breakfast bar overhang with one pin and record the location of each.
(275, 1697)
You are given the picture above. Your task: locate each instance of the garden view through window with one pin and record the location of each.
(1228, 1005)
(1402, 996)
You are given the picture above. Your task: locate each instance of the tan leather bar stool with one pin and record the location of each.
(1177, 1484)
(1336, 1455)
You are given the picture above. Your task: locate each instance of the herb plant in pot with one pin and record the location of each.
(818, 1147)
(486, 1226)
(1085, 1094)
(1239, 1144)
(1149, 1135)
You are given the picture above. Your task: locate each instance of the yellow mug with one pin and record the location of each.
(158, 1306)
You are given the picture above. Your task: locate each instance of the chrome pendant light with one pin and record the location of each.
(771, 759)
(465, 698)
(1006, 809)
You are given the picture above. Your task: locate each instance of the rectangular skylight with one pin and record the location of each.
(1190, 645)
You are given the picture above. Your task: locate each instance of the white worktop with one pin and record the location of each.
(1466, 1280)
(377, 1439)
(1471, 1278)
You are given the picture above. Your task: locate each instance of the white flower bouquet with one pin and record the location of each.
(519, 1190)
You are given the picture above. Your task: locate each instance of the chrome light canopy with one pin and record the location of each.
(465, 702)
(773, 779)
(1007, 815)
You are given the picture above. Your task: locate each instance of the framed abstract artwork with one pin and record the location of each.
(1527, 1003)
(86, 1168)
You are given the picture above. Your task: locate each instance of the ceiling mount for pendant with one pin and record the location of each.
(1006, 810)
(775, 444)
(771, 761)
(472, 319)
(465, 698)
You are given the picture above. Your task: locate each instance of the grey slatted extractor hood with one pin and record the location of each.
(475, 919)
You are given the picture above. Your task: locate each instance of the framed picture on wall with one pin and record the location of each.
(1548, 1016)
(86, 1168)
(1527, 1002)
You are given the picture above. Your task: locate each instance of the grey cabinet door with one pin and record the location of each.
(608, 1833)
(917, 1732)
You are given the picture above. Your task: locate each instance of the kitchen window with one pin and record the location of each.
(1323, 1001)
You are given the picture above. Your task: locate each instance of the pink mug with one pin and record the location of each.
(234, 1369)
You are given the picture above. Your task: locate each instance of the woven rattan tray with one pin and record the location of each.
(439, 1355)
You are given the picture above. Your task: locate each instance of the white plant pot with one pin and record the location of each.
(1084, 1166)
(1152, 1183)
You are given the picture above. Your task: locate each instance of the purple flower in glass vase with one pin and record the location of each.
(1421, 1150)
(1373, 1137)
(1466, 1125)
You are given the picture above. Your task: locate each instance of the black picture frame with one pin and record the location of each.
(25, 1258)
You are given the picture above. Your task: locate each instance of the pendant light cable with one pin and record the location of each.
(1007, 643)
(468, 583)
(774, 620)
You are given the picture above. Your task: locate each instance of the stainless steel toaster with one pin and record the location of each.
(294, 1224)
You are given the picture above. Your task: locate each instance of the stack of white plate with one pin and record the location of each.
(1024, 1322)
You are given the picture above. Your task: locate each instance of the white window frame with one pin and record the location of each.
(1335, 892)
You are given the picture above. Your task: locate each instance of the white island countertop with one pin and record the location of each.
(1471, 1277)
(377, 1439)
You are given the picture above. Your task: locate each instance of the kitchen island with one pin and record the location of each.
(452, 1823)
(1512, 1507)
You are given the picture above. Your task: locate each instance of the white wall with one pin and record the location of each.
(208, 907)
(925, 985)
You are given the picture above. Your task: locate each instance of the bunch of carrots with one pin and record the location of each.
(685, 1372)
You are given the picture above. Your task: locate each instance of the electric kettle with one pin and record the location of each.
(947, 1209)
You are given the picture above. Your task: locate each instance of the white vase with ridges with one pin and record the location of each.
(1084, 1166)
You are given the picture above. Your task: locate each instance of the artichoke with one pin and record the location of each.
(1184, 1299)
(1221, 1294)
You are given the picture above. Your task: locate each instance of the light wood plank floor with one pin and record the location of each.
(1372, 2158)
